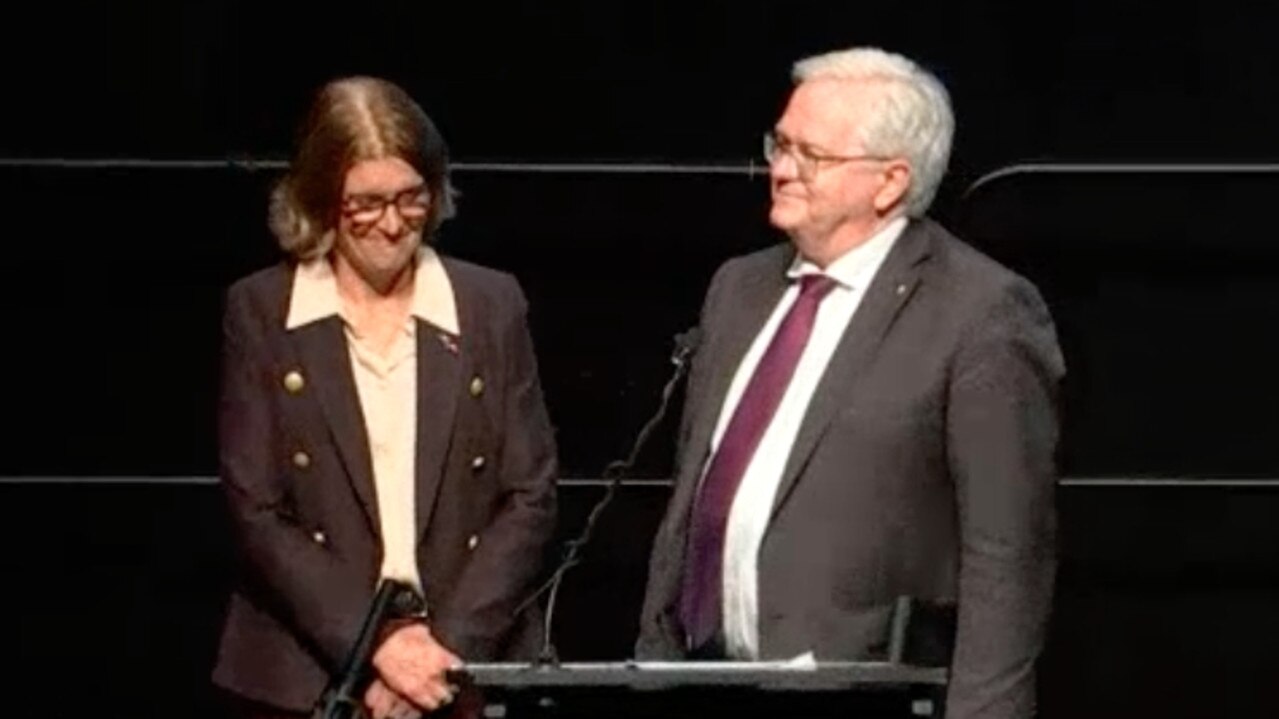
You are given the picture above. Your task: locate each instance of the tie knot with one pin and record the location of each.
(815, 286)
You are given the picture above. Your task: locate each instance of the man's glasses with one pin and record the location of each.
(808, 161)
(413, 205)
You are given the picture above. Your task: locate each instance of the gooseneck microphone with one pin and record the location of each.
(686, 344)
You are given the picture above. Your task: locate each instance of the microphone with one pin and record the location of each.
(686, 344)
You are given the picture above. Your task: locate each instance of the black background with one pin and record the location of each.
(1162, 284)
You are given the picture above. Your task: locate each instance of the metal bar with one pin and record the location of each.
(1117, 168)
(750, 169)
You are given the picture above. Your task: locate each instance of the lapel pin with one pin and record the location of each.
(449, 342)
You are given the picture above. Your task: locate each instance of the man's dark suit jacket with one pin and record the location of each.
(308, 532)
(924, 468)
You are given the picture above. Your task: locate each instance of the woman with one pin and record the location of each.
(381, 417)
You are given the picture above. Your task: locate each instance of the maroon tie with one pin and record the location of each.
(701, 595)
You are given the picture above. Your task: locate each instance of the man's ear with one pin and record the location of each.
(896, 178)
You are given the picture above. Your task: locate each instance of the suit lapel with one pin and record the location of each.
(322, 347)
(440, 359)
(892, 287)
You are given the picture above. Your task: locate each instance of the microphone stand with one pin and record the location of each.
(685, 346)
(343, 697)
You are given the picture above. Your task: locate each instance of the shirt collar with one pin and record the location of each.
(855, 267)
(315, 293)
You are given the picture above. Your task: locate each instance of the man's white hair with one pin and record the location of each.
(912, 118)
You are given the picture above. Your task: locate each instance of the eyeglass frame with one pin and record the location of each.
(419, 198)
(807, 162)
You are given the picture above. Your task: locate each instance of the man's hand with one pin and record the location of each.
(411, 663)
(383, 703)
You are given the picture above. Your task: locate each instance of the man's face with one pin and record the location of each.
(825, 188)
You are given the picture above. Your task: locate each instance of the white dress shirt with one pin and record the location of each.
(753, 503)
(387, 388)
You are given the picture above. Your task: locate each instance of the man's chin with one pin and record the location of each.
(783, 218)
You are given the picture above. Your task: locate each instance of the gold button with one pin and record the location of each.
(477, 386)
(293, 382)
(318, 537)
(301, 460)
(473, 542)
(478, 463)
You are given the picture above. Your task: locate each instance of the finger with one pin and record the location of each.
(452, 661)
(445, 693)
(379, 700)
(403, 710)
(434, 694)
(440, 662)
(423, 694)
(381, 708)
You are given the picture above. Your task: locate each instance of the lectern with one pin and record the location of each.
(864, 690)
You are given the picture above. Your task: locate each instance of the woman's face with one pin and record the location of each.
(385, 207)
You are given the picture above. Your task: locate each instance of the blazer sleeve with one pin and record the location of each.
(305, 586)
(1002, 429)
(503, 567)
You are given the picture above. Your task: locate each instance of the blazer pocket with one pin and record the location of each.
(856, 634)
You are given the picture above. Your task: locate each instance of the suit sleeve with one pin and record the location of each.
(505, 564)
(1002, 427)
(303, 584)
(658, 638)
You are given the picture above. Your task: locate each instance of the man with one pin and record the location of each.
(871, 415)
